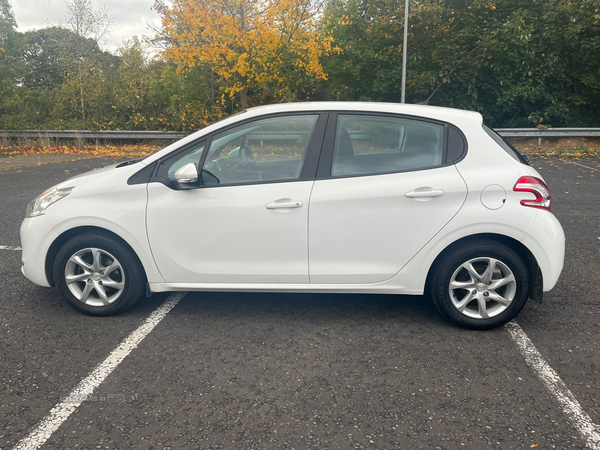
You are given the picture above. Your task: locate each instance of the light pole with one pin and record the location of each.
(402, 97)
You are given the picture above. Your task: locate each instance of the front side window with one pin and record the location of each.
(271, 149)
(375, 144)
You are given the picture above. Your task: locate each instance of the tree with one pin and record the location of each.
(519, 62)
(86, 23)
(152, 95)
(9, 46)
(249, 44)
(51, 55)
(7, 24)
(369, 34)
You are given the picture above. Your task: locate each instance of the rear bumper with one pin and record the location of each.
(546, 241)
(36, 237)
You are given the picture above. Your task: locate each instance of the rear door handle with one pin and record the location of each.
(284, 203)
(424, 192)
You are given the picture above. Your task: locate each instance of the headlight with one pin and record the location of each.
(38, 205)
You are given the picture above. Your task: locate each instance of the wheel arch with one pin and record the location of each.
(69, 234)
(535, 273)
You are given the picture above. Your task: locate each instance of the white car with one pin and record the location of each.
(308, 197)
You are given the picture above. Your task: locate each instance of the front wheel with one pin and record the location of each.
(97, 275)
(480, 285)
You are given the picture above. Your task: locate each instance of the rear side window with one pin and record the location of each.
(507, 147)
(375, 144)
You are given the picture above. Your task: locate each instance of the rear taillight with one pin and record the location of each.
(538, 188)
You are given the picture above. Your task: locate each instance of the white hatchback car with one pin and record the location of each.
(308, 197)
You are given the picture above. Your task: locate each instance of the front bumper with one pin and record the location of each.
(36, 238)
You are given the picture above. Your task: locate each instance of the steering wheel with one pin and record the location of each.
(247, 157)
(248, 163)
(243, 166)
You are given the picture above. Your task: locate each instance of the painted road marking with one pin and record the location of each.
(581, 165)
(569, 404)
(8, 247)
(63, 410)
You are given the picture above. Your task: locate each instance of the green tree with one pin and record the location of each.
(91, 24)
(50, 54)
(9, 47)
(520, 63)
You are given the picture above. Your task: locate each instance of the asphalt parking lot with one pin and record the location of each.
(301, 371)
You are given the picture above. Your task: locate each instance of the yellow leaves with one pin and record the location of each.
(109, 151)
(344, 21)
(242, 64)
(248, 44)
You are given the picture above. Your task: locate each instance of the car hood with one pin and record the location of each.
(82, 178)
(86, 176)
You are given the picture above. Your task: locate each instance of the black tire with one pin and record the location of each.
(444, 269)
(133, 273)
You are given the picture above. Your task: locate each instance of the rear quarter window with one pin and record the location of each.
(507, 147)
(456, 146)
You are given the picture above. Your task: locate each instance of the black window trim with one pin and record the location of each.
(309, 167)
(143, 175)
(328, 149)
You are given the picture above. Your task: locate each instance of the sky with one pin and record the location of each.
(131, 17)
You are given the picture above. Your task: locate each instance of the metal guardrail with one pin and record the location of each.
(175, 135)
(549, 133)
(93, 135)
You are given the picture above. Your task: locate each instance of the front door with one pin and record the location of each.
(247, 220)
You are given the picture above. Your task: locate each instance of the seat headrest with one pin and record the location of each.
(420, 138)
(345, 148)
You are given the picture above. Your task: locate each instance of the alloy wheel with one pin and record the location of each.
(482, 288)
(94, 277)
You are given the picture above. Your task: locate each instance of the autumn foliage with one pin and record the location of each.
(258, 45)
(521, 64)
(101, 151)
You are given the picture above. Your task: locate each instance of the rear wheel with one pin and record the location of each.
(480, 285)
(97, 275)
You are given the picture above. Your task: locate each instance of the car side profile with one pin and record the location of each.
(308, 197)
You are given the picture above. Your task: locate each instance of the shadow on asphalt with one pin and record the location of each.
(311, 307)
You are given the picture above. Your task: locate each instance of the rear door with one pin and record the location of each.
(385, 186)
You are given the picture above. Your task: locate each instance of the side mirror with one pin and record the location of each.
(187, 174)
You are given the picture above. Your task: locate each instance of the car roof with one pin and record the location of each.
(457, 117)
(406, 108)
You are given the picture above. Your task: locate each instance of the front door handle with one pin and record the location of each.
(284, 203)
(424, 192)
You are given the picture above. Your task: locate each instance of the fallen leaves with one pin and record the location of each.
(105, 151)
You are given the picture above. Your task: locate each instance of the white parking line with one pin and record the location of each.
(581, 165)
(568, 402)
(63, 410)
(8, 247)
